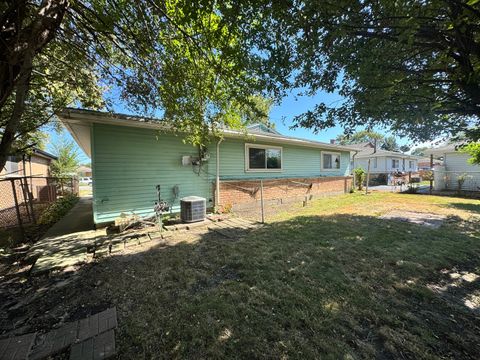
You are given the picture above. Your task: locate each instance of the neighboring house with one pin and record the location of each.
(424, 164)
(24, 176)
(35, 164)
(455, 166)
(132, 155)
(84, 171)
(383, 162)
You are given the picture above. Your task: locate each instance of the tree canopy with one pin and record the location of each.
(187, 59)
(68, 158)
(358, 137)
(412, 66)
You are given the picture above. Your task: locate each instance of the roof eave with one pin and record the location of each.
(86, 116)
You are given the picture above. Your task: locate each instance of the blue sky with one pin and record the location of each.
(282, 115)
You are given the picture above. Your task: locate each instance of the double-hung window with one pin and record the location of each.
(330, 161)
(395, 164)
(410, 164)
(263, 158)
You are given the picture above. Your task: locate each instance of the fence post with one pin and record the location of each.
(17, 208)
(431, 177)
(368, 177)
(261, 201)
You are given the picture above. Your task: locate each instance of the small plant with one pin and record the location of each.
(412, 188)
(360, 175)
(227, 208)
(58, 209)
(460, 181)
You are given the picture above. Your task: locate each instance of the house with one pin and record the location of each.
(84, 171)
(24, 177)
(424, 164)
(456, 172)
(35, 164)
(383, 162)
(133, 155)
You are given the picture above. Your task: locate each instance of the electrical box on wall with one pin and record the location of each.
(186, 160)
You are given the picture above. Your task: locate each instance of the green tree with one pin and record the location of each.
(360, 137)
(473, 149)
(390, 144)
(409, 65)
(186, 58)
(68, 159)
(420, 151)
(404, 148)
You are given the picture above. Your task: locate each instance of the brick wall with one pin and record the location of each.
(243, 194)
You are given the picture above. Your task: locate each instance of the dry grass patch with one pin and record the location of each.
(331, 280)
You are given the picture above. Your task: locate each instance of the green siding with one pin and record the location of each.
(297, 161)
(129, 162)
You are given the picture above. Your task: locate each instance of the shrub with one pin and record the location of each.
(58, 209)
(461, 180)
(359, 174)
(412, 188)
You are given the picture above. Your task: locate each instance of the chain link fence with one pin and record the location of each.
(23, 198)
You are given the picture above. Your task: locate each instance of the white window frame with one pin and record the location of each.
(330, 153)
(258, 146)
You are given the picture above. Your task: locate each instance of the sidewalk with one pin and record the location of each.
(79, 218)
(64, 243)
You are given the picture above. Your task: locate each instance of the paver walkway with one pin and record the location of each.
(90, 338)
(59, 250)
(64, 244)
(79, 218)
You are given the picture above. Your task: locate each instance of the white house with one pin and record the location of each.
(456, 172)
(383, 162)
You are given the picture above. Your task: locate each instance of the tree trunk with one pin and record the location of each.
(20, 42)
(21, 93)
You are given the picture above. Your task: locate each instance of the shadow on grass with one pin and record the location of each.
(467, 207)
(331, 286)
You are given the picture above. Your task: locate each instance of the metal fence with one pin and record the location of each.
(22, 198)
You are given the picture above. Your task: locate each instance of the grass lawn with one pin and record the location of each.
(330, 281)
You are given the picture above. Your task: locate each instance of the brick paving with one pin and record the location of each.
(99, 347)
(16, 348)
(89, 338)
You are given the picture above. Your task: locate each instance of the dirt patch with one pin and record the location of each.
(424, 219)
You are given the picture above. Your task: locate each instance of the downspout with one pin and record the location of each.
(217, 180)
(353, 172)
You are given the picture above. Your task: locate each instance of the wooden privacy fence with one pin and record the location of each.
(23, 197)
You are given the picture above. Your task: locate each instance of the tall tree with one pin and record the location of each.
(68, 158)
(360, 137)
(186, 58)
(390, 144)
(419, 151)
(410, 65)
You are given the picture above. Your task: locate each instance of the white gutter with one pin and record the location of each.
(217, 180)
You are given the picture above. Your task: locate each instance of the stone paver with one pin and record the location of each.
(97, 324)
(74, 332)
(99, 347)
(16, 348)
(55, 341)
